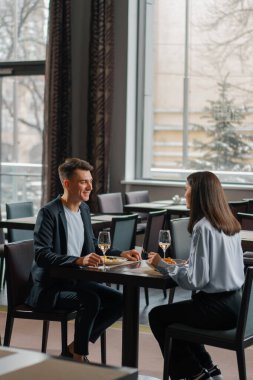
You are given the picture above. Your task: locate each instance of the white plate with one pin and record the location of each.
(114, 260)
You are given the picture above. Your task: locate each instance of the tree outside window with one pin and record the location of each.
(202, 67)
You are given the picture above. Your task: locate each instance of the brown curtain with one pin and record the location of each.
(58, 104)
(100, 94)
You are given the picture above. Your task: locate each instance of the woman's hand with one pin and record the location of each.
(154, 258)
(131, 255)
(92, 260)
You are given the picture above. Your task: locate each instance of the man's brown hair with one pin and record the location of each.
(68, 167)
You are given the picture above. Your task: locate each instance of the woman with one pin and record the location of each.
(215, 271)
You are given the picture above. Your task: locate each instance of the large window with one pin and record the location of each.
(23, 33)
(197, 98)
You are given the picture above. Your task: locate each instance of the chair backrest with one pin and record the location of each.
(250, 205)
(19, 210)
(238, 206)
(2, 237)
(137, 196)
(123, 231)
(110, 203)
(180, 238)
(246, 220)
(19, 258)
(245, 320)
(155, 223)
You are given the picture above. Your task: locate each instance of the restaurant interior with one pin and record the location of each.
(90, 112)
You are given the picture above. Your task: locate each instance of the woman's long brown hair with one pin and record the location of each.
(208, 200)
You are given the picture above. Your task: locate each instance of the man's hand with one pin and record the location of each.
(154, 258)
(132, 255)
(92, 260)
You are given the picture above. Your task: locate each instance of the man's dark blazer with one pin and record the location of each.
(50, 246)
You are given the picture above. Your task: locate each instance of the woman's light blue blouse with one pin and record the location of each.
(215, 261)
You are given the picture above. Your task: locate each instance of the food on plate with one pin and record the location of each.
(169, 260)
(177, 262)
(112, 260)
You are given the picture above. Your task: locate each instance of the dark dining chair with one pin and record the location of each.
(180, 243)
(250, 206)
(19, 210)
(236, 339)
(123, 232)
(238, 206)
(19, 258)
(155, 223)
(246, 220)
(2, 264)
(139, 197)
(248, 259)
(110, 203)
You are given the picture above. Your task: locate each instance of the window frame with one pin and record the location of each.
(22, 68)
(140, 172)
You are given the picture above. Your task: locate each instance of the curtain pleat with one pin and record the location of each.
(100, 95)
(58, 97)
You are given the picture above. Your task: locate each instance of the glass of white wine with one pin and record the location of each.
(104, 243)
(164, 240)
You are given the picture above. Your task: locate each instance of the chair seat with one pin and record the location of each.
(223, 338)
(27, 312)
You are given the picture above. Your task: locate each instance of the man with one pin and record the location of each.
(63, 236)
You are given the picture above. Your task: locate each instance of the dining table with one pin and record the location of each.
(20, 364)
(133, 276)
(98, 221)
(172, 207)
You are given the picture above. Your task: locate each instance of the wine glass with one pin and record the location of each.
(164, 240)
(104, 243)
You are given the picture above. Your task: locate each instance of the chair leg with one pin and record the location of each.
(167, 352)
(165, 293)
(4, 277)
(241, 364)
(171, 295)
(146, 296)
(64, 338)
(8, 330)
(44, 336)
(103, 347)
(1, 272)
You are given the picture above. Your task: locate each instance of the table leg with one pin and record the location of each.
(130, 328)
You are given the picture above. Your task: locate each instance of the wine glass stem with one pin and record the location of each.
(104, 267)
(164, 251)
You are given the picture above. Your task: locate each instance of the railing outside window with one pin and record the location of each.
(20, 182)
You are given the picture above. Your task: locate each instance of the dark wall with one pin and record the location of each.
(80, 54)
(118, 132)
(80, 38)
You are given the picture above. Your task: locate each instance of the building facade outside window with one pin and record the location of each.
(196, 107)
(23, 34)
